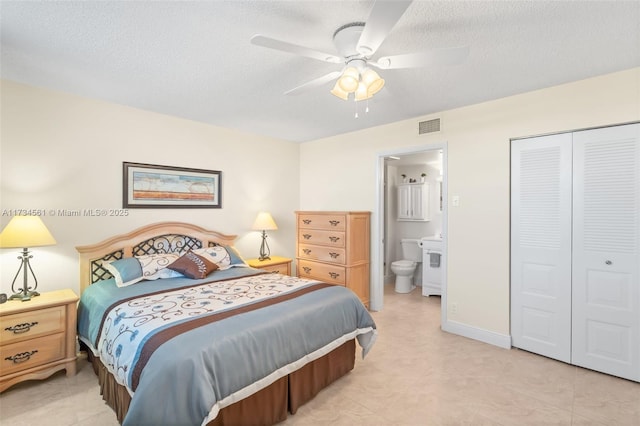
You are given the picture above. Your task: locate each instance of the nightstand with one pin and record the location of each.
(277, 264)
(38, 337)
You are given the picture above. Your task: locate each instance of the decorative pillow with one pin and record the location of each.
(224, 256)
(126, 271)
(236, 259)
(193, 266)
(154, 265)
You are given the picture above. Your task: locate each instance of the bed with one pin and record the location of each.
(181, 331)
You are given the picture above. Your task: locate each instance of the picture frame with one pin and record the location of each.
(156, 186)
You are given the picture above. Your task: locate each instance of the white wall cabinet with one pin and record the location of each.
(413, 201)
(575, 248)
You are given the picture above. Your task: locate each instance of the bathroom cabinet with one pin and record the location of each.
(413, 201)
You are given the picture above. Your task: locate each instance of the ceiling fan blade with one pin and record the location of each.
(447, 56)
(272, 43)
(314, 83)
(383, 17)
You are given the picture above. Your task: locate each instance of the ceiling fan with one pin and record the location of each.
(357, 43)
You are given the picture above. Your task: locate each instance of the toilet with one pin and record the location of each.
(405, 268)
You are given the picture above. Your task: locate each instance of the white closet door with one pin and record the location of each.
(541, 245)
(606, 250)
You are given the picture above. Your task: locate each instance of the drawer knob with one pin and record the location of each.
(306, 236)
(307, 251)
(306, 269)
(334, 275)
(21, 357)
(21, 328)
(334, 222)
(306, 221)
(608, 262)
(334, 239)
(334, 255)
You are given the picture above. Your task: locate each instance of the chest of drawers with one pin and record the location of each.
(38, 337)
(334, 247)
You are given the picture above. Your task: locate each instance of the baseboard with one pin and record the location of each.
(490, 337)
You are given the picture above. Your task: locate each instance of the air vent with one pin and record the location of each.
(429, 126)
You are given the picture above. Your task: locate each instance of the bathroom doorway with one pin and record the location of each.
(391, 165)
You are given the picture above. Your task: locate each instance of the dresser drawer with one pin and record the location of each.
(325, 238)
(27, 325)
(321, 253)
(328, 273)
(336, 222)
(31, 353)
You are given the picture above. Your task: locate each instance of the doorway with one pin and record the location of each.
(381, 251)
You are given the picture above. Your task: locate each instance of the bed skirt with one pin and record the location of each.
(265, 407)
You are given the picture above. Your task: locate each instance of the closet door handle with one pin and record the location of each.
(608, 262)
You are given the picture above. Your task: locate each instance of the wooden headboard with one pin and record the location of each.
(162, 237)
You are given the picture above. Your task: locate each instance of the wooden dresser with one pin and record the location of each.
(334, 247)
(38, 337)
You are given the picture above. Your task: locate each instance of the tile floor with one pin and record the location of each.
(415, 375)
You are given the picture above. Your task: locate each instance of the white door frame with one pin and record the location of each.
(377, 262)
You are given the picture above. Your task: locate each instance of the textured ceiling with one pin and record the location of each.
(195, 60)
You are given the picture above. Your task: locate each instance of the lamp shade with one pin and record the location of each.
(26, 231)
(373, 81)
(362, 93)
(264, 222)
(349, 80)
(337, 91)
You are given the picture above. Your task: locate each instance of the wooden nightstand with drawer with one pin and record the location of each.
(277, 264)
(38, 337)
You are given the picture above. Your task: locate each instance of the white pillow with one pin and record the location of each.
(154, 266)
(217, 254)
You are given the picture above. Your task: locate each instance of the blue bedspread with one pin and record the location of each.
(187, 379)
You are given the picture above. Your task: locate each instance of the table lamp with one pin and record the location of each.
(264, 222)
(24, 232)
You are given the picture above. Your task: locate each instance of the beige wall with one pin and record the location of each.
(60, 151)
(478, 172)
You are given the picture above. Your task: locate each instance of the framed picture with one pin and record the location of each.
(153, 186)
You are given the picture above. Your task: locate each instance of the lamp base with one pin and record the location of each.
(24, 297)
(264, 248)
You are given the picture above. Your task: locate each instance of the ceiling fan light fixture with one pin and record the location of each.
(349, 80)
(373, 81)
(337, 91)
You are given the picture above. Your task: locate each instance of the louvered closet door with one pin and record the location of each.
(606, 252)
(541, 245)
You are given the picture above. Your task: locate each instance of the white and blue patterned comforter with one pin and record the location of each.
(183, 351)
